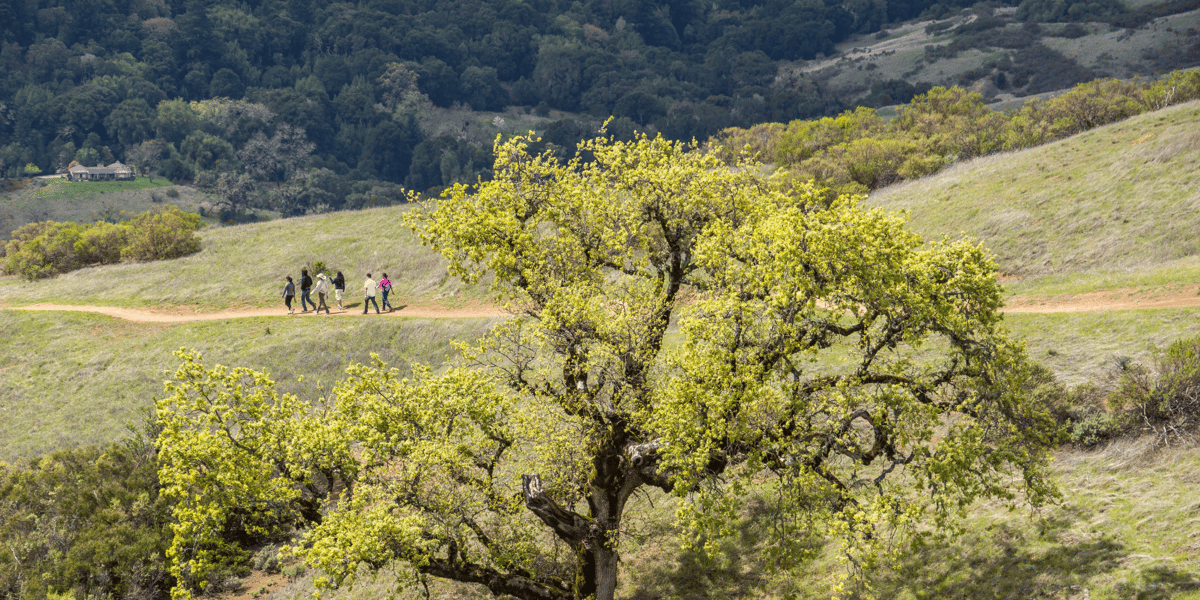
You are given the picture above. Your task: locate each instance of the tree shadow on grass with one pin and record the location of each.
(1024, 558)
(1018, 561)
(739, 571)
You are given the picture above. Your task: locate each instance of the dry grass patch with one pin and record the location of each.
(1080, 347)
(1117, 197)
(69, 379)
(87, 202)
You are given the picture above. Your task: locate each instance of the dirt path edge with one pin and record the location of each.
(176, 315)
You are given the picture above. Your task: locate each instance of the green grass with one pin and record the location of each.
(245, 266)
(1171, 277)
(61, 188)
(87, 202)
(1124, 529)
(68, 379)
(1118, 198)
(1080, 347)
(1108, 210)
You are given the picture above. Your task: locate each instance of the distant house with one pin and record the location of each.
(113, 172)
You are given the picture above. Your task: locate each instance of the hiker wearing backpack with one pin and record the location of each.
(385, 285)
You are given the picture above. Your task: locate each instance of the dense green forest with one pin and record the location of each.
(305, 106)
(317, 99)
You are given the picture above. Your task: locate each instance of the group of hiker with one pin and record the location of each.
(338, 284)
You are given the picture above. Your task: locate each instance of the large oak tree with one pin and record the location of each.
(825, 356)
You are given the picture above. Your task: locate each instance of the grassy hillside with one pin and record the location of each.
(245, 265)
(1014, 204)
(1113, 207)
(90, 201)
(71, 378)
(988, 50)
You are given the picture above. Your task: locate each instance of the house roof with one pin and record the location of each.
(112, 169)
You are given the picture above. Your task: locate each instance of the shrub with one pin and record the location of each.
(43, 249)
(169, 233)
(102, 243)
(47, 248)
(933, 28)
(1092, 104)
(1164, 399)
(294, 571)
(1180, 86)
(1085, 414)
(267, 559)
(1073, 31)
(89, 522)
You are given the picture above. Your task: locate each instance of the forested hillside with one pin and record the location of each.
(326, 96)
(87, 80)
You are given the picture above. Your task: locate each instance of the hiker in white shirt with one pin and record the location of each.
(369, 287)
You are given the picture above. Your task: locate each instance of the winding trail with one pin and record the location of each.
(1109, 300)
(180, 315)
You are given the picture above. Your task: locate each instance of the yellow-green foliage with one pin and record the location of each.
(229, 443)
(162, 235)
(859, 376)
(857, 151)
(48, 248)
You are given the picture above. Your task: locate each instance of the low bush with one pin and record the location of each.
(267, 559)
(1161, 399)
(48, 248)
(1085, 414)
(85, 523)
(102, 243)
(163, 235)
(858, 151)
(43, 249)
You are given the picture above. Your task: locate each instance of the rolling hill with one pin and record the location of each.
(1109, 210)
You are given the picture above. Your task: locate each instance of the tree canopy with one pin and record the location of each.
(859, 375)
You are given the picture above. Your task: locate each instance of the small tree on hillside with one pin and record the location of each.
(146, 157)
(825, 354)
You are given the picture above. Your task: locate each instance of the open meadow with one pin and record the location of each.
(89, 201)
(1115, 209)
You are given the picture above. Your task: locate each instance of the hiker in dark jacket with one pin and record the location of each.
(305, 290)
(339, 288)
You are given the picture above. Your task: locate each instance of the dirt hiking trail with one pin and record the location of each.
(1109, 300)
(180, 315)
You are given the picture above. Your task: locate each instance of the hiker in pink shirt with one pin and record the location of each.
(385, 285)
